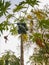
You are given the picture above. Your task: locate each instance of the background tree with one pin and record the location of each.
(41, 39)
(9, 58)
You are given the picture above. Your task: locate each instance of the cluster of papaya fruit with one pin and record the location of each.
(22, 28)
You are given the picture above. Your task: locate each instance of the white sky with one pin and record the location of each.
(13, 41)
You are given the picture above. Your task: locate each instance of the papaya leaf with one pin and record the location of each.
(13, 30)
(44, 24)
(18, 8)
(32, 2)
(4, 6)
(9, 16)
(21, 3)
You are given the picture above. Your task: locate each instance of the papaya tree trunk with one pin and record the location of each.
(22, 52)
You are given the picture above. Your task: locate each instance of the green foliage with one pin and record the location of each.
(1, 28)
(47, 35)
(1, 62)
(40, 14)
(10, 15)
(29, 2)
(35, 36)
(4, 26)
(22, 20)
(32, 2)
(18, 8)
(44, 24)
(21, 5)
(13, 29)
(40, 57)
(4, 6)
(9, 58)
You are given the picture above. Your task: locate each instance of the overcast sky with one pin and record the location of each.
(13, 41)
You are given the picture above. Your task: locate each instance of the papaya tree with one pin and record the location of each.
(22, 27)
(37, 21)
